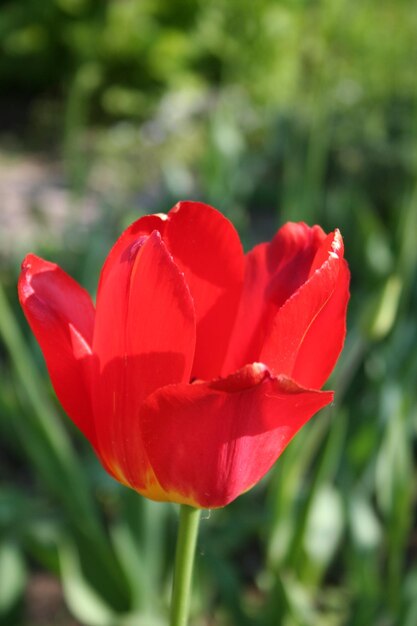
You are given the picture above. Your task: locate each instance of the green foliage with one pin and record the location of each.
(271, 111)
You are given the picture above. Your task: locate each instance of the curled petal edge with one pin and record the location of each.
(232, 431)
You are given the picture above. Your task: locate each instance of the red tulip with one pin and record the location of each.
(198, 364)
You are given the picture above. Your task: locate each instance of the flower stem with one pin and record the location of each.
(184, 559)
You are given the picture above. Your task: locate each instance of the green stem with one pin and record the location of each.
(184, 559)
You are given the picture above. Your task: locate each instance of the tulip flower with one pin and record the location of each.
(198, 363)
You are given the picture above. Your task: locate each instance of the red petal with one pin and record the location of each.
(274, 271)
(142, 227)
(207, 248)
(210, 442)
(61, 316)
(308, 332)
(144, 338)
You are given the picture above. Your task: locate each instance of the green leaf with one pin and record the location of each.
(12, 576)
(83, 600)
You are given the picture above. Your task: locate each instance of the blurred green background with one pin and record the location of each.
(271, 111)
